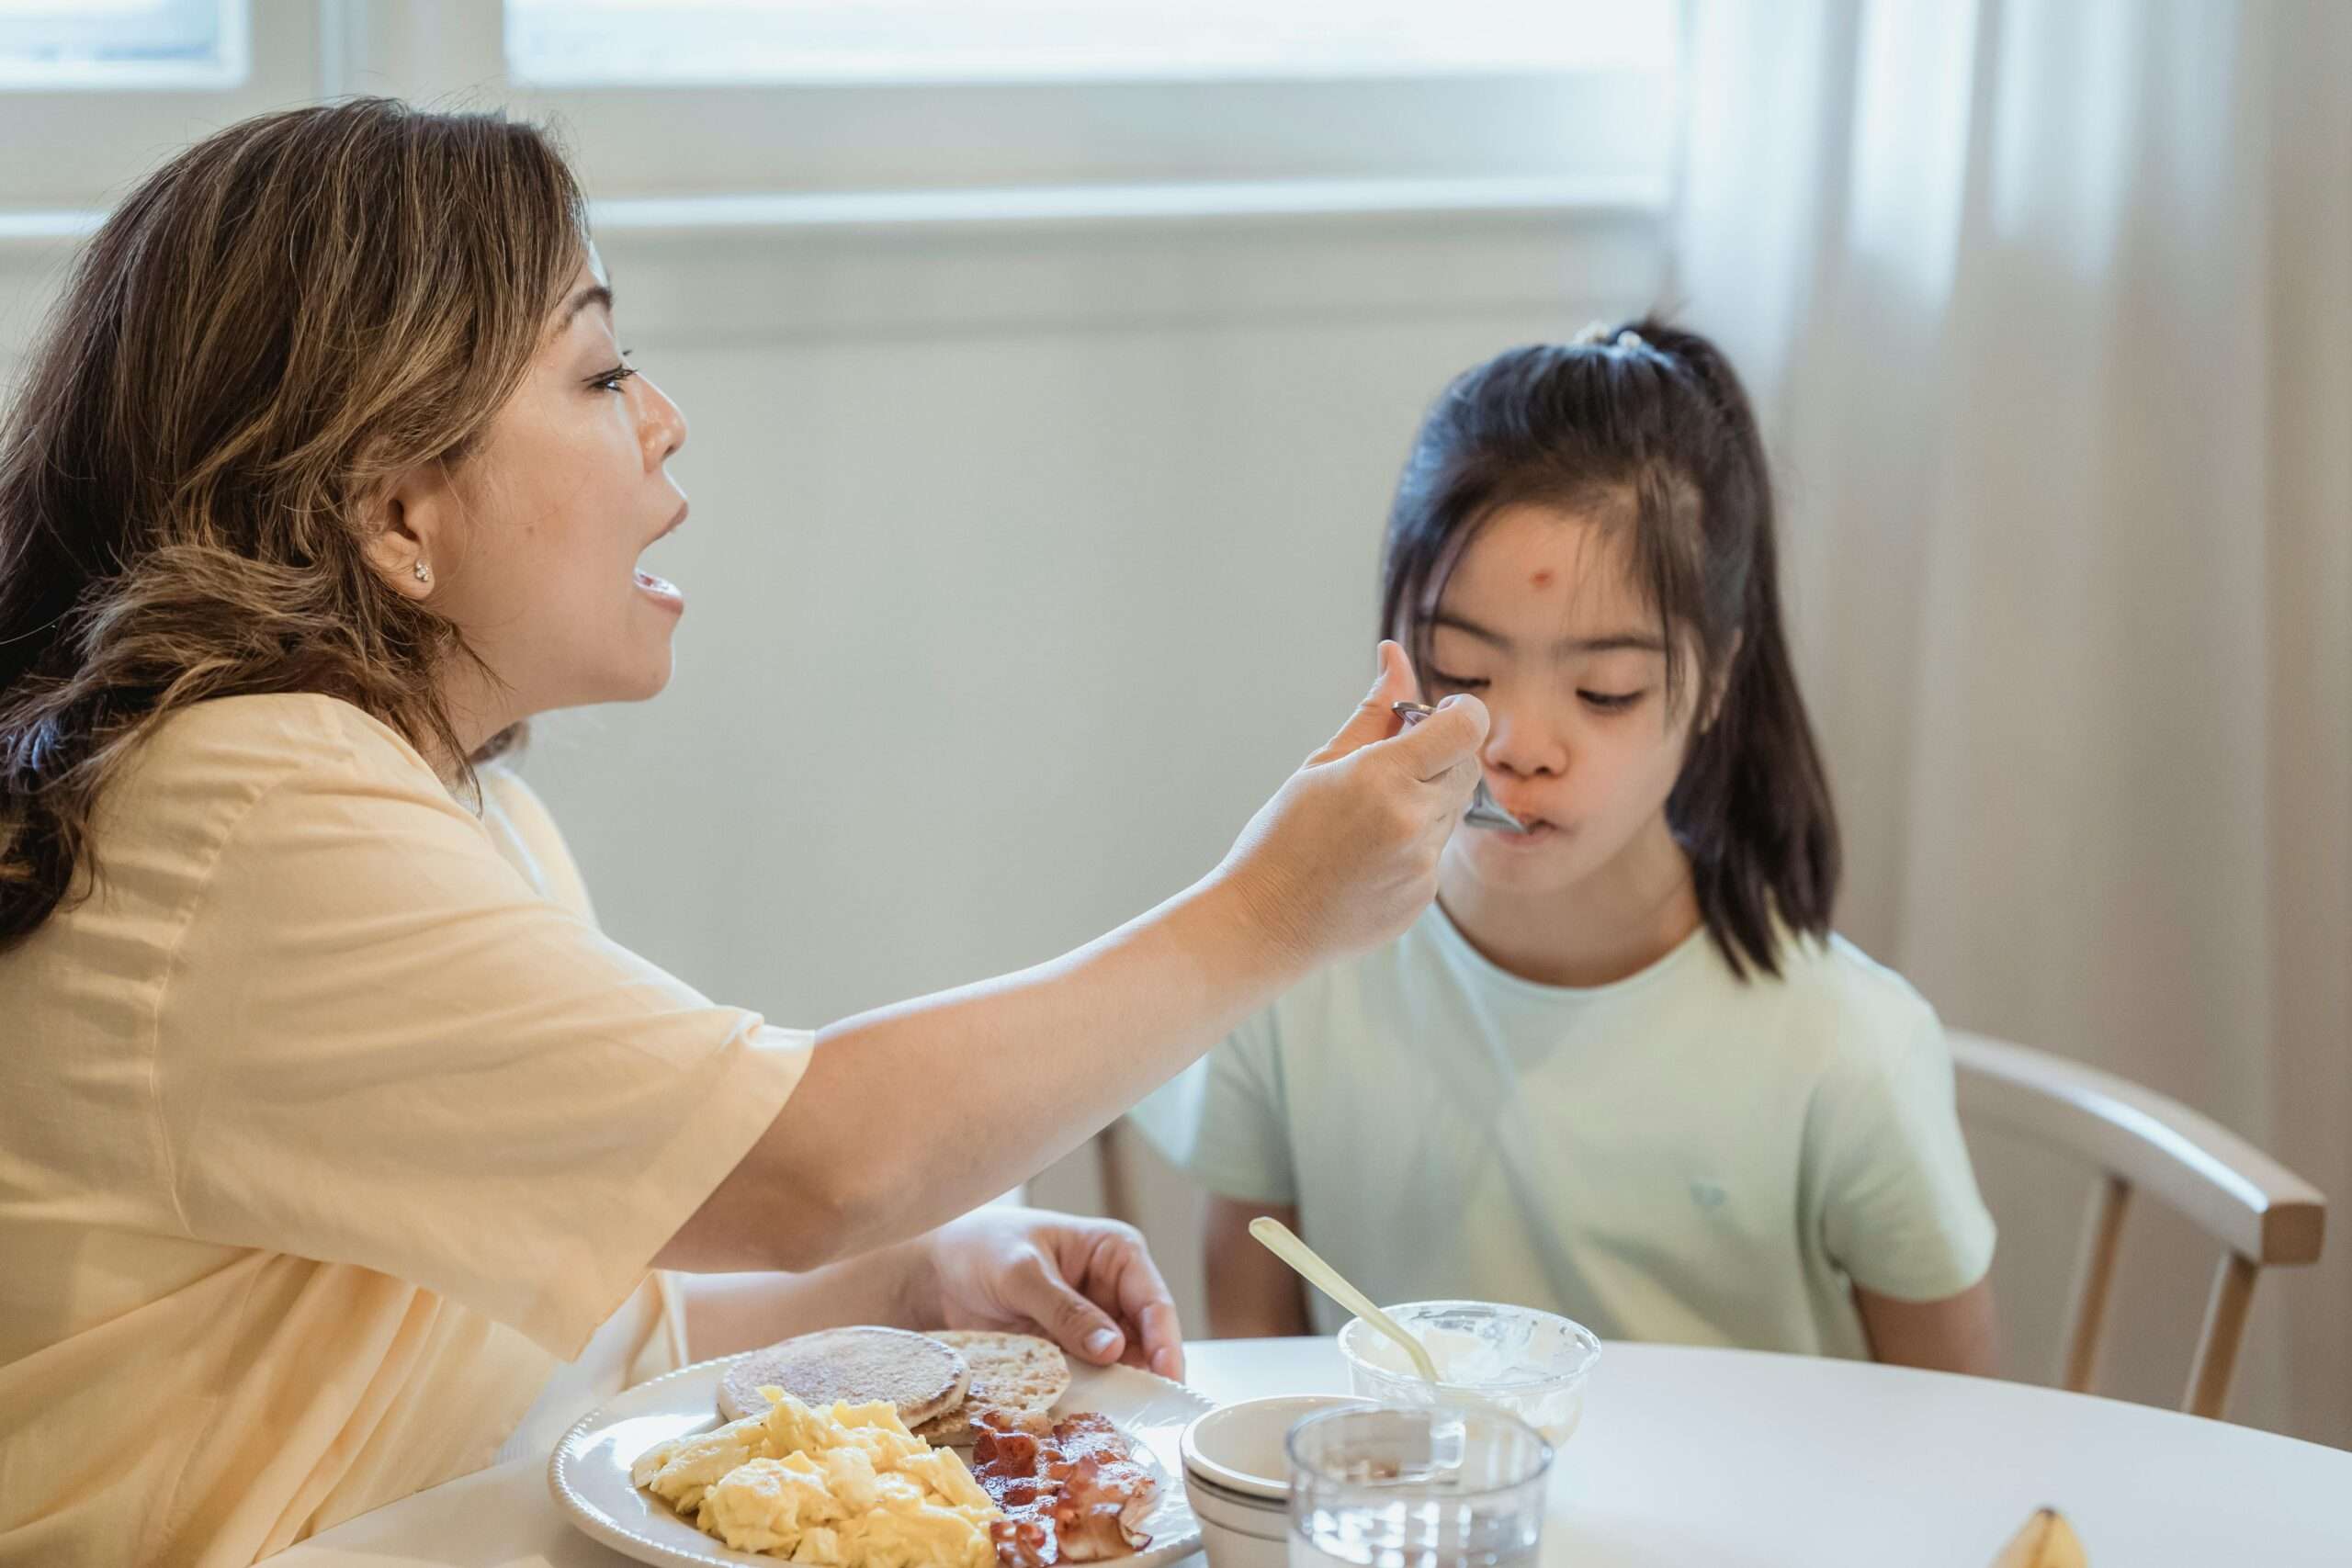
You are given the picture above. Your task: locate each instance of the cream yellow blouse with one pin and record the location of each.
(331, 1127)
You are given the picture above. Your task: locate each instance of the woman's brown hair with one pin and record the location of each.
(1653, 415)
(272, 327)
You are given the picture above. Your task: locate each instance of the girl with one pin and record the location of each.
(1623, 1069)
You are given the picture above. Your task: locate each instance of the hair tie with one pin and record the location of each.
(1625, 340)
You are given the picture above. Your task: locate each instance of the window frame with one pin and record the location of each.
(1603, 128)
(652, 141)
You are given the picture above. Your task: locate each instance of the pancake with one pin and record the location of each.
(921, 1376)
(1012, 1374)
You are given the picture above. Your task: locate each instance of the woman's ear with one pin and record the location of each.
(411, 532)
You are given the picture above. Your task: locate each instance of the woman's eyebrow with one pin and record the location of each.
(594, 294)
(1609, 642)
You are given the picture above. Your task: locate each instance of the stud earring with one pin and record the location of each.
(423, 575)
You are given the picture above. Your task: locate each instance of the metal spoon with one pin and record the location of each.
(1483, 812)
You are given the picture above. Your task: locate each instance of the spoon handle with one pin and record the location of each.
(1276, 1238)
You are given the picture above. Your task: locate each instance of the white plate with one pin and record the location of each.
(589, 1473)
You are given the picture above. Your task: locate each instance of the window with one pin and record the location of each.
(726, 96)
(70, 44)
(93, 91)
(1066, 99)
(610, 43)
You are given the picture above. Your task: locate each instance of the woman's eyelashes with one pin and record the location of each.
(610, 381)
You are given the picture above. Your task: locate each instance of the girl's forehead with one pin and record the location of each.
(1539, 562)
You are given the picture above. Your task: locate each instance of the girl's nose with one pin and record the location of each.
(1523, 742)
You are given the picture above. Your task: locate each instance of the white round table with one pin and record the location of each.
(1729, 1459)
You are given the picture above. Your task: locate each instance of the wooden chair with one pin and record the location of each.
(2262, 1213)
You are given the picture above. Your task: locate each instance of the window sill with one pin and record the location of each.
(1071, 205)
(1024, 207)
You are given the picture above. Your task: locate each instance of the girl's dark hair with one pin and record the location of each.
(1647, 422)
(271, 326)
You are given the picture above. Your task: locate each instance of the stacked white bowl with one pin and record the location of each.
(1238, 1477)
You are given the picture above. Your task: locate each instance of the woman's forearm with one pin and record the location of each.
(914, 1113)
(1009, 1074)
(728, 1312)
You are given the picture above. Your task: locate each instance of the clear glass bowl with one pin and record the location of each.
(1532, 1364)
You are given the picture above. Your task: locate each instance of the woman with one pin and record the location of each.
(338, 1143)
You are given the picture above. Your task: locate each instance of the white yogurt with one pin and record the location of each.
(1530, 1363)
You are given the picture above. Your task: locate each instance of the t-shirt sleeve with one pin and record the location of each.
(378, 1045)
(516, 808)
(1224, 1120)
(1900, 1213)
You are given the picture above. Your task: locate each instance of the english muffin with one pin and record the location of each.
(922, 1377)
(1016, 1375)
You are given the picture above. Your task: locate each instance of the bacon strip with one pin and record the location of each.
(1070, 1494)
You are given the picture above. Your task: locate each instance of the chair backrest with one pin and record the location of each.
(2262, 1213)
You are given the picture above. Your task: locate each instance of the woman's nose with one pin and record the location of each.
(661, 424)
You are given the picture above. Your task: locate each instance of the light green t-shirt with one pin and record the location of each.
(1680, 1156)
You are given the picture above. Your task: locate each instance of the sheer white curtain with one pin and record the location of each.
(2047, 305)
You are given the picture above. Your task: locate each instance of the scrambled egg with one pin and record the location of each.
(848, 1487)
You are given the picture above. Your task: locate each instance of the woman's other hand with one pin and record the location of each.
(1089, 1285)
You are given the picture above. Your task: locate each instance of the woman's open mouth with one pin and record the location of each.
(660, 589)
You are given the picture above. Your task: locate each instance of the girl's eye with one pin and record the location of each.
(1611, 702)
(1457, 683)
